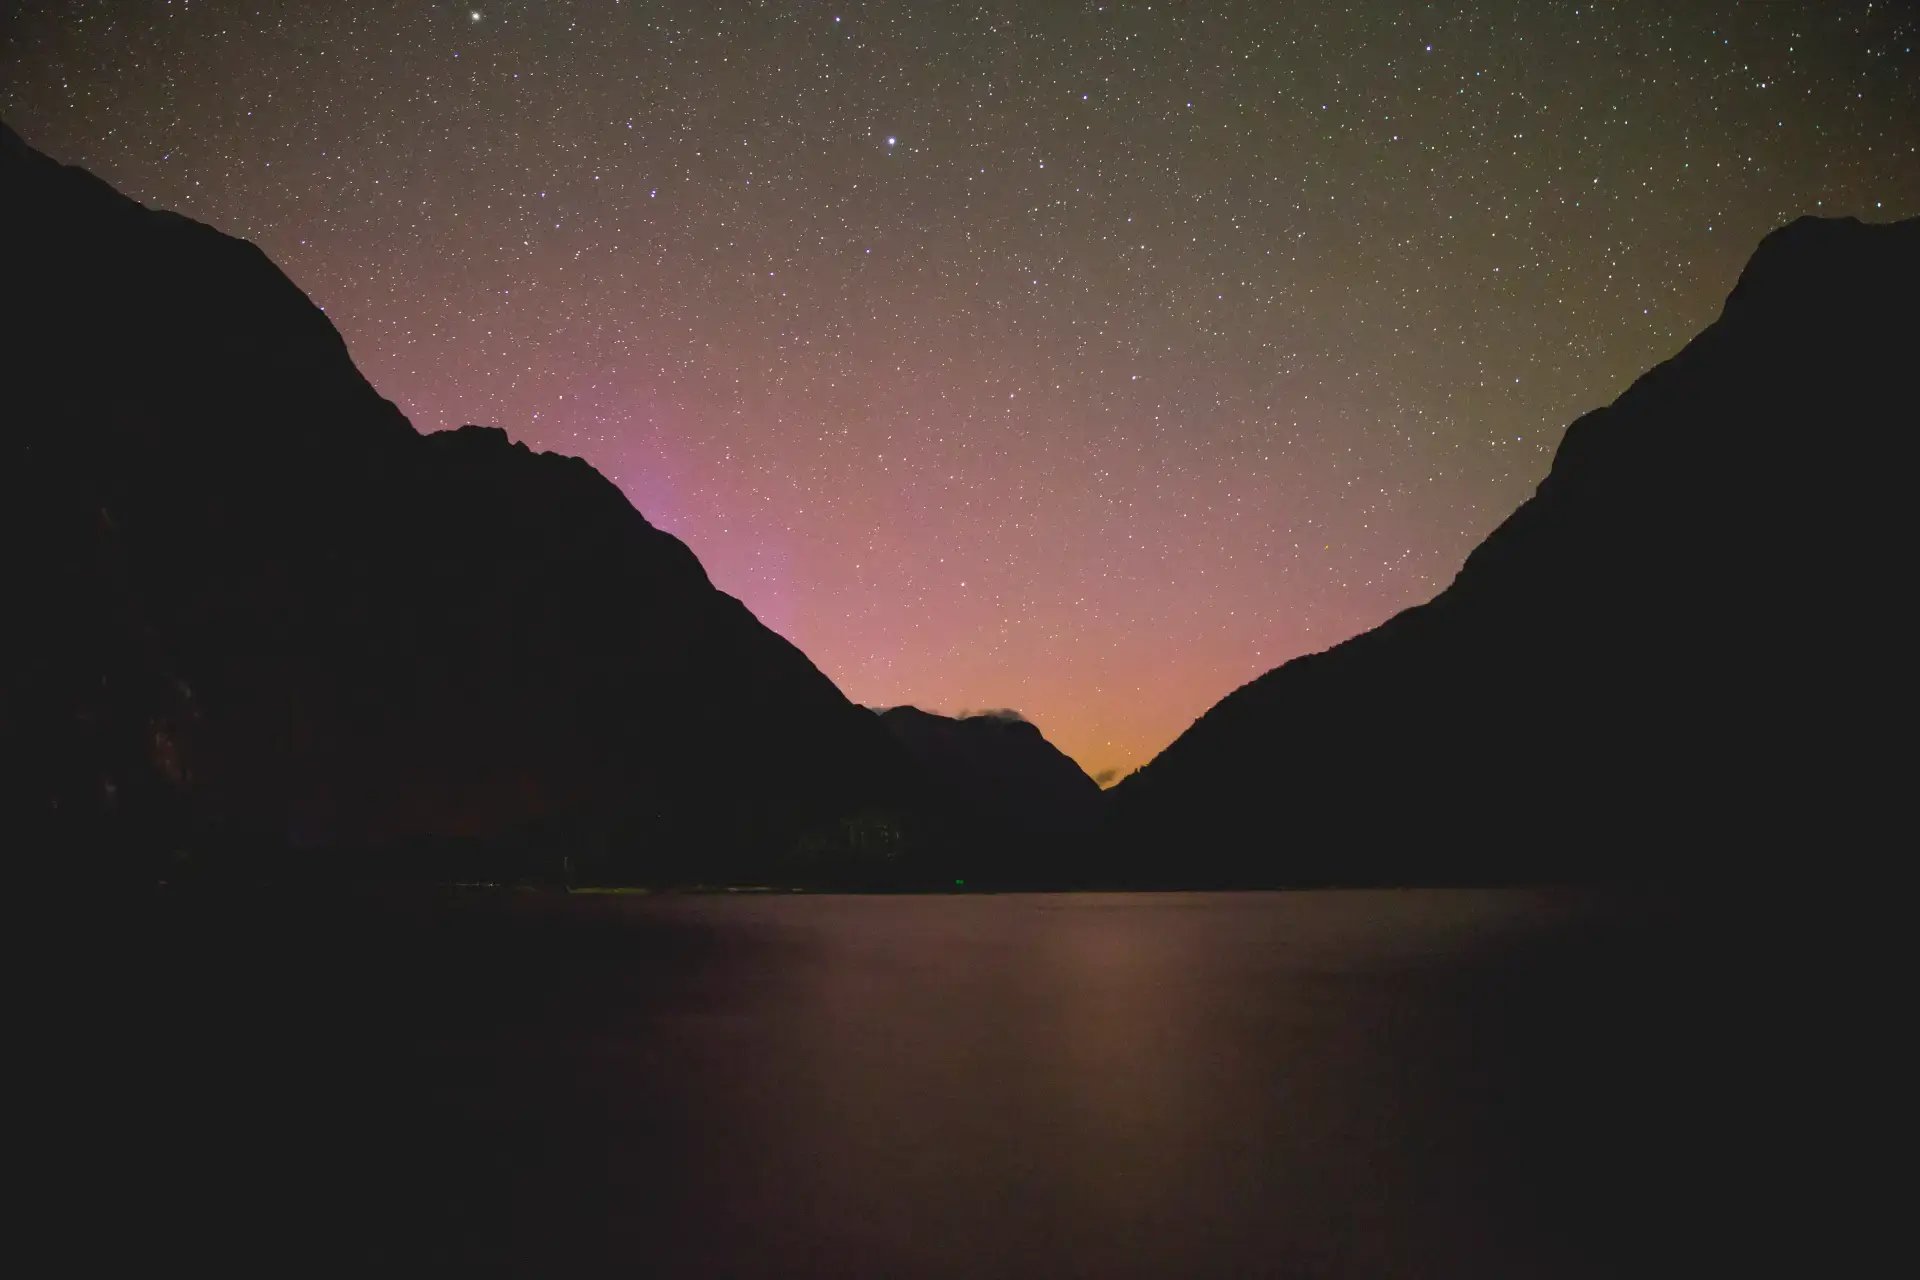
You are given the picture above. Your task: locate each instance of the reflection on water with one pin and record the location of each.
(1313, 1084)
(1124, 1085)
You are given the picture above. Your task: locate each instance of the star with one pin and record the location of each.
(1098, 452)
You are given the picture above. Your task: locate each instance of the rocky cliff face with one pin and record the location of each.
(1683, 654)
(250, 606)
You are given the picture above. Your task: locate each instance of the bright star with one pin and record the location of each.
(891, 141)
(474, 14)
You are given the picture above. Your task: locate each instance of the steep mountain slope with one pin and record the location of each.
(1683, 655)
(1017, 805)
(253, 608)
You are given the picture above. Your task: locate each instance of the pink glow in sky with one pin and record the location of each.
(1086, 359)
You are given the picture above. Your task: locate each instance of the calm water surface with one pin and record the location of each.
(1308, 1084)
(1075, 1085)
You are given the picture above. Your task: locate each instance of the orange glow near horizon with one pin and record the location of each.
(1086, 360)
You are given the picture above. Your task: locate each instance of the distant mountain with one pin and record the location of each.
(1686, 654)
(251, 609)
(1016, 804)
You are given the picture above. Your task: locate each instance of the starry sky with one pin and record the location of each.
(1086, 358)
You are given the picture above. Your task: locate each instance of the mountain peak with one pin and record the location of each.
(1013, 797)
(1667, 659)
(256, 609)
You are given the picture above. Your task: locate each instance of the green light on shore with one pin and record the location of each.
(959, 881)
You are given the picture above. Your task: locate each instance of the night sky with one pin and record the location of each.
(1084, 358)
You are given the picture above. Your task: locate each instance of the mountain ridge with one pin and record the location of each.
(1659, 515)
(263, 613)
(1018, 807)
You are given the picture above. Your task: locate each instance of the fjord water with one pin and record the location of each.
(1418, 1083)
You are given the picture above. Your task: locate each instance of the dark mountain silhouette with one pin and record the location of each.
(1684, 655)
(250, 608)
(1016, 804)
